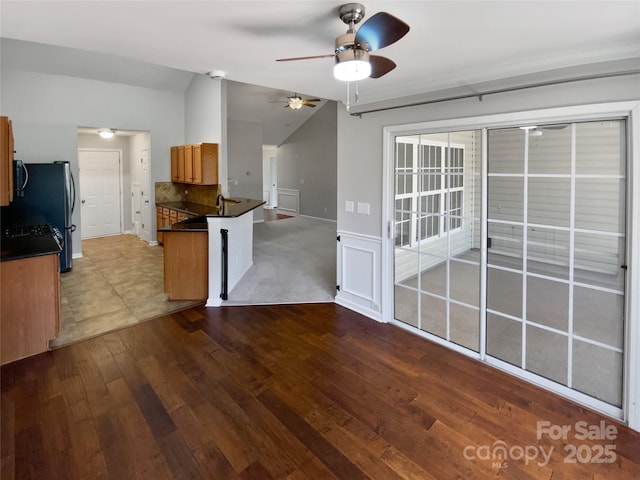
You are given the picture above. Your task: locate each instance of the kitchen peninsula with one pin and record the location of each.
(209, 252)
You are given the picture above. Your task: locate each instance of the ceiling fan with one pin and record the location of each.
(353, 61)
(296, 102)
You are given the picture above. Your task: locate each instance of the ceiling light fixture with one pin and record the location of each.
(107, 133)
(295, 103)
(352, 65)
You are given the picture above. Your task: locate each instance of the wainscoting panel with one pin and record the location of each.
(289, 201)
(358, 273)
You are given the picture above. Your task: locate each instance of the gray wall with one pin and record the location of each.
(47, 109)
(244, 144)
(307, 161)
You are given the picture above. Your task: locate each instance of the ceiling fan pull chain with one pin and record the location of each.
(348, 103)
(357, 94)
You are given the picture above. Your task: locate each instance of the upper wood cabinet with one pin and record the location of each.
(6, 161)
(197, 164)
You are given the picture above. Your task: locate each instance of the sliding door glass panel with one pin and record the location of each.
(601, 148)
(549, 201)
(505, 151)
(596, 315)
(437, 253)
(598, 260)
(465, 281)
(548, 252)
(406, 305)
(505, 341)
(565, 236)
(600, 204)
(433, 315)
(506, 202)
(550, 150)
(593, 366)
(505, 245)
(547, 353)
(550, 304)
(464, 326)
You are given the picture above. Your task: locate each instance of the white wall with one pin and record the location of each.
(46, 111)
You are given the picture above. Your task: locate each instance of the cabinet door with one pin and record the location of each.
(159, 223)
(6, 161)
(188, 163)
(197, 164)
(174, 164)
(180, 176)
(209, 162)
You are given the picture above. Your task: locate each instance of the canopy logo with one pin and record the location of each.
(499, 453)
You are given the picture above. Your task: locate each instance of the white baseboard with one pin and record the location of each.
(77, 255)
(319, 218)
(367, 312)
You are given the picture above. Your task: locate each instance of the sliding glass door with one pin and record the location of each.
(437, 235)
(544, 292)
(556, 256)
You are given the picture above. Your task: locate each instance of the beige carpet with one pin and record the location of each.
(294, 261)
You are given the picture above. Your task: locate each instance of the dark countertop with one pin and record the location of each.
(233, 207)
(25, 247)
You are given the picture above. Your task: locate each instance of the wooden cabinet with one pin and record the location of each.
(186, 265)
(6, 161)
(30, 305)
(196, 164)
(165, 217)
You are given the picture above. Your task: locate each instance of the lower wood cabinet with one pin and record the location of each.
(29, 306)
(186, 265)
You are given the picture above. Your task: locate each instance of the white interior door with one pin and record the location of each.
(100, 193)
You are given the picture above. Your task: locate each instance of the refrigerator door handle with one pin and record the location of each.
(73, 193)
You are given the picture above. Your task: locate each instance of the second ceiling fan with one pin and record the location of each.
(353, 61)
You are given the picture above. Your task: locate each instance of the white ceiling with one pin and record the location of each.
(451, 44)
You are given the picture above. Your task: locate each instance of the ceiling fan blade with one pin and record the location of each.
(308, 104)
(380, 30)
(311, 100)
(305, 58)
(380, 66)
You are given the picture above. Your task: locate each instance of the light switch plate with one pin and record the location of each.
(364, 208)
(349, 206)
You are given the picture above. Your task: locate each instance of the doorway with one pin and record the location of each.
(100, 192)
(510, 245)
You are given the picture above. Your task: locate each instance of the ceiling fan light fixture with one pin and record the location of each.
(352, 65)
(107, 133)
(295, 103)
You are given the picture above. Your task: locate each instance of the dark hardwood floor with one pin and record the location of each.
(289, 392)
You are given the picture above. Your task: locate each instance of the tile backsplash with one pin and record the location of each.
(175, 192)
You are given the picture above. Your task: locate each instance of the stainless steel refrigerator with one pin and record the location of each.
(47, 194)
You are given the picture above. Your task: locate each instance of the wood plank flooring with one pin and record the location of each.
(287, 392)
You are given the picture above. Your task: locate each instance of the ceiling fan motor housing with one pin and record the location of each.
(351, 13)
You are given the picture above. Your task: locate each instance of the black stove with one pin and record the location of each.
(27, 231)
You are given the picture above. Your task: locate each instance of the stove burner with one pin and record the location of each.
(27, 231)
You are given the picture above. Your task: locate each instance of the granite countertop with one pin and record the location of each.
(25, 247)
(233, 207)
